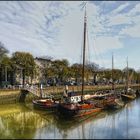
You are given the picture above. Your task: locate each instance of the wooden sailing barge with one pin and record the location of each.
(128, 93)
(76, 106)
(116, 98)
(111, 99)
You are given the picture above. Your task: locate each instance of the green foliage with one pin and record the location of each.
(6, 62)
(60, 68)
(26, 62)
(77, 71)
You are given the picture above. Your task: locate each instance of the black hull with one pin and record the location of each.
(127, 98)
(118, 103)
(111, 106)
(65, 112)
(108, 104)
(45, 107)
(137, 93)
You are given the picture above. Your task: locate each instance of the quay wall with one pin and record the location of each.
(8, 96)
(60, 89)
(12, 96)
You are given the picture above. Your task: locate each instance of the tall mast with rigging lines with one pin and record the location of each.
(127, 79)
(112, 72)
(84, 48)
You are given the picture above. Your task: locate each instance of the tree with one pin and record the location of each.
(92, 69)
(77, 71)
(61, 69)
(6, 70)
(26, 62)
(3, 51)
(3, 59)
(131, 73)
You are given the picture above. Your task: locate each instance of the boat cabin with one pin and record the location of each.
(73, 97)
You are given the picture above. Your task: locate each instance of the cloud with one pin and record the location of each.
(133, 16)
(101, 49)
(131, 31)
(104, 44)
(135, 10)
(55, 28)
(25, 23)
(120, 8)
(120, 19)
(70, 36)
(71, 32)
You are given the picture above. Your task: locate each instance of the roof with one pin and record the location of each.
(71, 93)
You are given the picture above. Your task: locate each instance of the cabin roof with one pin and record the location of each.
(71, 93)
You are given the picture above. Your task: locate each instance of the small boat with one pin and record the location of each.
(46, 104)
(114, 102)
(110, 102)
(106, 99)
(129, 95)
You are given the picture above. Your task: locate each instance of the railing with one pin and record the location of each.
(38, 92)
(33, 89)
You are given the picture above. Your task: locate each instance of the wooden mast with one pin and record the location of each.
(127, 76)
(112, 72)
(84, 47)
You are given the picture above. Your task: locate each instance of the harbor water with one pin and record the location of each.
(22, 121)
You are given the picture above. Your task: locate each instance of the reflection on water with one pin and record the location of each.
(21, 121)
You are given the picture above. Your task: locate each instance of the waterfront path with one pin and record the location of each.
(60, 89)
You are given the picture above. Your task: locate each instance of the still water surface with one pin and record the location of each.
(22, 121)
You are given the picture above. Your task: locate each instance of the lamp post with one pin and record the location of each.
(5, 73)
(41, 90)
(21, 76)
(5, 76)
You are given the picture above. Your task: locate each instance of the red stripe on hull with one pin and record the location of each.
(78, 110)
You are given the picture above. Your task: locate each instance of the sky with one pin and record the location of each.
(55, 28)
